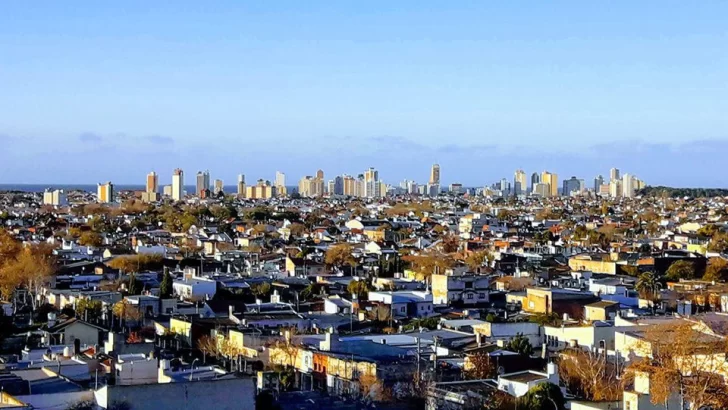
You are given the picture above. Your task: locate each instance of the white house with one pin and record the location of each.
(336, 304)
(467, 289)
(405, 303)
(194, 287)
(519, 383)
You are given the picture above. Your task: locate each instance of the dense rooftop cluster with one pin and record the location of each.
(452, 301)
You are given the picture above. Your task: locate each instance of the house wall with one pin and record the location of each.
(237, 393)
(88, 335)
(608, 267)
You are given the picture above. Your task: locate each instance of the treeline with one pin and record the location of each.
(664, 191)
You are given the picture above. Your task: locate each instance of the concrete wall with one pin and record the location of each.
(88, 335)
(203, 395)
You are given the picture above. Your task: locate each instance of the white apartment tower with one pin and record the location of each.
(178, 184)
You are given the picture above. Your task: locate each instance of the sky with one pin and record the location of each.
(96, 91)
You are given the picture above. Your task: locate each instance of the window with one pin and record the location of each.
(531, 305)
(401, 309)
(481, 295)
(627, 405)
(470, 295)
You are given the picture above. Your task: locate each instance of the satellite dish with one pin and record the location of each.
(501, 370)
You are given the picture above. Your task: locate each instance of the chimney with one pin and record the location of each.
(384, 341)
(231, 311)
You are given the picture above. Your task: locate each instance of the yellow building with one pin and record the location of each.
(105, 192)
(519, 182)
(152, 182)
(261, 190)
(435, 175)
(597, 263)
(553, 182)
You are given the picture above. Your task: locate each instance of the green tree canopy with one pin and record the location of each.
(544, 396)
(681, 269)
(165, 287)
(520, 344)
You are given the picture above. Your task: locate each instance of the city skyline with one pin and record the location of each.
(573, 88)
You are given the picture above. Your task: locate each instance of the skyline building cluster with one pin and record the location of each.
(369, 185)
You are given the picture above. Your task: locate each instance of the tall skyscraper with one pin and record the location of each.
(320, 174)
(203, 181)
(350, 186)
(280, 179)
(178, 184)
(598, 182)
(553, 182)
(105, 192)
(435, 175)
(338, 185)
(152, 182)
(613, 174)
(241, 185)
(55, 197)
(535, 179)
(519, 182)
(615, 188)
(150, 193)
(629, 185)
(572, 184)
(371, 183)
(219, 187)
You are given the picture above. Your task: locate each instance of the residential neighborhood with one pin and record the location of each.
(460, 300)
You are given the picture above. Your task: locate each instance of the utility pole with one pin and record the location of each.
(435, 339)
(418, 357)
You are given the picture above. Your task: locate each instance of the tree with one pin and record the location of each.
(89, 310)
(719, 242)
(520, 344)
(339, 255)
(590, 375)
(359, 288)
(135, 287)
(679, 360)
(260, 289)
(544, 396)
(717, 270)
(165, 287)
(648, 286)
(135, 263)
(208, 346)
(297, 229)
(380, 313)
(312, 289)
(477, 259)
(427, 264)
(681, 269)
(28, 267)
(480, 366)
(450, 243)
(90, 238)
(126, 312)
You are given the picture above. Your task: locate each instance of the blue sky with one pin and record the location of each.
(94, 91)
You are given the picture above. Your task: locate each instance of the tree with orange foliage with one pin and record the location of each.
(24, 266)
(590, 375)
(480, 366)
(427, 264)
(681, 360)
